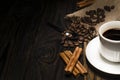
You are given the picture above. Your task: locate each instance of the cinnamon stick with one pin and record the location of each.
(78, 65)
(85, 3)
(66, 59)
(73, 59)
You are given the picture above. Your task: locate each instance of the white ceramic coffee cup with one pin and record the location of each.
(109, 49)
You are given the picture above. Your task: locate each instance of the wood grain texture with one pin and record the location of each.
(29, 47)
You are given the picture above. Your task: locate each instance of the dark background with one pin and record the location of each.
(29, 46)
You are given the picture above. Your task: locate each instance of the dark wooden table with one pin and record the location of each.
(29, 47)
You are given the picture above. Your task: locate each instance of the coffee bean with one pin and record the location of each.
(91, 12)
(100, 12)
(70, 42)
(112, 7)
(76, 43)
(66, 45)
(107, 8)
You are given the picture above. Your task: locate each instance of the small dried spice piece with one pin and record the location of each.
(81, 29)
(84, 3)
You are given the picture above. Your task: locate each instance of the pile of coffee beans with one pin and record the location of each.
(77, 33)
(94, 17)
(81, 29)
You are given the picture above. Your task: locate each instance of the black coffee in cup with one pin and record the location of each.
(113, 34)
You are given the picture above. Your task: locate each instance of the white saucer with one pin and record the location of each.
(96, 60)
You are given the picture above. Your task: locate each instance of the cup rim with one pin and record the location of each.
(101, 34)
